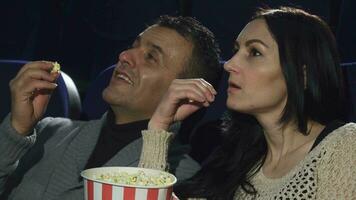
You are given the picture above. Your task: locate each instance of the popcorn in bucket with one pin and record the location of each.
(127, 183)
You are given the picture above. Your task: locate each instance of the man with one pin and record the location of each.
(42, 159)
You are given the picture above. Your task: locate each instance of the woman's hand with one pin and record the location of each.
(30, 93)
(183, 97)
(174, 197)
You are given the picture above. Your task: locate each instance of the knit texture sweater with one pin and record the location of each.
(327, 172)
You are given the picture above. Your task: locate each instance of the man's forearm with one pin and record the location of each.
(12, 147)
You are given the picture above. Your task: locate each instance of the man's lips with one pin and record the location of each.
(123, 76)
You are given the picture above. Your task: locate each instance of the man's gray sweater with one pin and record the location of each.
(46, 165)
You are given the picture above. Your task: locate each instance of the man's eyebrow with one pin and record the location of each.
(138, 39)
(236, 44)
(249, 42)
(156, 47)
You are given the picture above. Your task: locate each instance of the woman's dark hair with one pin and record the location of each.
(308, 54)
(307, 50)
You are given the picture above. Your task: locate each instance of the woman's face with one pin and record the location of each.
(256, 81)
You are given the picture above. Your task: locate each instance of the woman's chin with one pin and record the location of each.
(232, 105)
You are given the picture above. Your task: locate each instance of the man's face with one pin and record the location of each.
(145, 71)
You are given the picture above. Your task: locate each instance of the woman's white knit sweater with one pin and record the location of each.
(327, 172)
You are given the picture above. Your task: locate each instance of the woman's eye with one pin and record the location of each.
(255, 52)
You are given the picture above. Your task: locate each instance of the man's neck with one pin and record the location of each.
(125, 116)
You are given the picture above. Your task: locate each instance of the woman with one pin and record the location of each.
(284, 139)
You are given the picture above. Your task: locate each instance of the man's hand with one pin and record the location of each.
(184, 97)
(30, 93)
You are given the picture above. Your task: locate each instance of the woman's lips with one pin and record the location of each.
(233, 87)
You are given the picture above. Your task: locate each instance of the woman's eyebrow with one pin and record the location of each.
(249, 42)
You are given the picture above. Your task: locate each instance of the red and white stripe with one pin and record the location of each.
(100, 191)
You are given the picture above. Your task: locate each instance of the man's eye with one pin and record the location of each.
(130, 46)
(149, 56)
(235, 50)
(255, 52)
(133, 45)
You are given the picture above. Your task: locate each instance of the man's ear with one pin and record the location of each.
(305, 76)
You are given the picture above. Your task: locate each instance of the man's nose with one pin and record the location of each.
(127, 57)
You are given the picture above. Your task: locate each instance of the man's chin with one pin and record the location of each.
(115, 97)
(108, 96)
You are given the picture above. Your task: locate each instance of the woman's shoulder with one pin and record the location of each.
(340, 144)
(348, 128)
(345, 134)
(335, 169)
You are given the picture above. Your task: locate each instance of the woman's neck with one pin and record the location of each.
(286, 145)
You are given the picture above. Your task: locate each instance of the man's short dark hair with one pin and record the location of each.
(204, 61)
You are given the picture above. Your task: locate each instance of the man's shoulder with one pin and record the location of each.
(51, 127)
(59, 123)
(183, 166)
(180, 163)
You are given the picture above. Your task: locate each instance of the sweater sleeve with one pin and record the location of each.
(155, 149)
(337, 172)
(12, 147)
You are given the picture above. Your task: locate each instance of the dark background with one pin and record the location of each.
(86, 36)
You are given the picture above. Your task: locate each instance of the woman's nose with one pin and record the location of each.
(227, 65)
(231, 66)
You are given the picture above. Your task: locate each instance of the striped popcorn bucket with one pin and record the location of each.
(96, 188)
